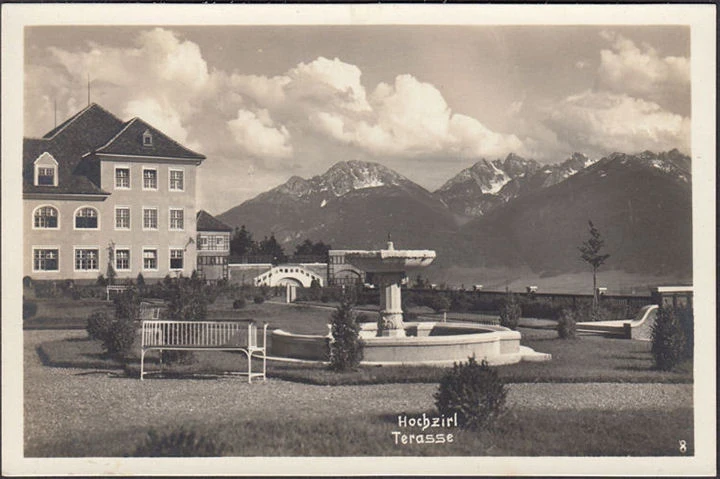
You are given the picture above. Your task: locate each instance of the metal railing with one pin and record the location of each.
(205, 335)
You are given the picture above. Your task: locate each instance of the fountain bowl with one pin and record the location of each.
(426, 343)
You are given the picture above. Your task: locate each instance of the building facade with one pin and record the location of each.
(213, 247)
(100, 192)
(340, 272)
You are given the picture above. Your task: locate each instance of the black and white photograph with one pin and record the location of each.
(358, 239)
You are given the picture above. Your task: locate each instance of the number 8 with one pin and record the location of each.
(683, 446)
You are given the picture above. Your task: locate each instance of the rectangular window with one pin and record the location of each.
(177, 219)
(46, 176)
(122, 259)
(219, 243)
(149, 179)
(203, 243)
(122, 218)
(86, 259)
(45, 260)
(122, 178)
(177, 180)
(176, 259)
(150, 259)
(150, 218)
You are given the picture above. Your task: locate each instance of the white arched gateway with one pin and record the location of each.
(288, 274)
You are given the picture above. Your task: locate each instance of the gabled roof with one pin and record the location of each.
(129, 141)
(207, 222)
(74, 142)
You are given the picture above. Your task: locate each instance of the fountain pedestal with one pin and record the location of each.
(388, 267)
(390, 322)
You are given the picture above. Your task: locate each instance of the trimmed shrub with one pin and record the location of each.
(325, 298)
(345, 345)
(239, 303)
(438, 302)
(259, 299)
(187, 299)
(687, 321)
(475, 392)
(179, 443)
(668, 339)
(119, 338)
(27, 282)
(566, 326)
(510, 312)
(127, 305)
(101, 281)
(365, 318)
(140, 280)
(98, 325)
(29, 309)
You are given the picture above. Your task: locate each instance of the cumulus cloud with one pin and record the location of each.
(641, 71)
(602, 122)
(162, 78)
(411, 118)
(257, 135)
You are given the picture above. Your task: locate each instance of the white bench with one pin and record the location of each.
(116, 288)
(205, 336)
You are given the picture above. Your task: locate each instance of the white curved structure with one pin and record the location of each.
(288, 274)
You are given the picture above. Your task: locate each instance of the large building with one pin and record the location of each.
(98, 190)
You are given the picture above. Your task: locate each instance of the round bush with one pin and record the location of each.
(438, 302)
(566, 326)
(668, 339)
(98, 325)
(239, 303)
(475, 392)
(119, 338)
(259, 299)
(179, 443)
(29, 309)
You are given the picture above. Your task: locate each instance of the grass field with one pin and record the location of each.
(93, 409)
(588, 359)
(584, 402)
(519, 433)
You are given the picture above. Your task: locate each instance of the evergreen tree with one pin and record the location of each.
(242, 243)
(270, 247)
(590, 253)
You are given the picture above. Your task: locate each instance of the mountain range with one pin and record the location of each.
(511, 213)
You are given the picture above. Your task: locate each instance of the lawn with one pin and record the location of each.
(93, 413)
(519, 433)
(588, 359)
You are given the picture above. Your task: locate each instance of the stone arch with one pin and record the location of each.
(282, 274)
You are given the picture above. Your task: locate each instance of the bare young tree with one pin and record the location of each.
(590, 253)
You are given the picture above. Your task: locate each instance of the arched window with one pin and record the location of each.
(45, 217)
(86, 218)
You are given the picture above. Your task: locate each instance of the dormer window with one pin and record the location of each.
(46, 170)
(46, 176)
(147, 138)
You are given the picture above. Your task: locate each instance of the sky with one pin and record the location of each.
(264, 103)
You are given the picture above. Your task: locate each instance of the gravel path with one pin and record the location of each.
(60, 401)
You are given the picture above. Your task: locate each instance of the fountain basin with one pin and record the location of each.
(444, 344)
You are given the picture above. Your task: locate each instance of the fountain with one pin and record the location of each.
(388, 268)
(388, 343)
